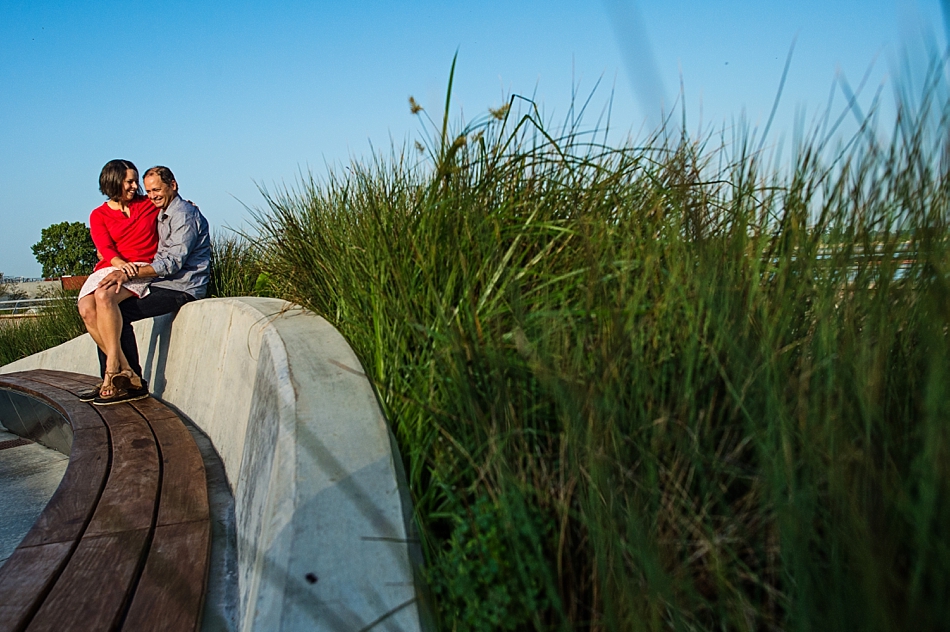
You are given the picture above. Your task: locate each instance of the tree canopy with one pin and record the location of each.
(65, 249)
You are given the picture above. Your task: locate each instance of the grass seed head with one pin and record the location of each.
(500, 112)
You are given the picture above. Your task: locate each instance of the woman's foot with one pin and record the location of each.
(120, 386)
(107, 388)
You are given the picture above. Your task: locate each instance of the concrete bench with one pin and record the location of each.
(124, 542)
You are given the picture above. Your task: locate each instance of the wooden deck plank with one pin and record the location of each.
(26, 578)
(71, 507)
(131, 491)
(184, 495)
(170, 594)
(94, 589)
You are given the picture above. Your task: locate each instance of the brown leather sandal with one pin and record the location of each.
(125, 386)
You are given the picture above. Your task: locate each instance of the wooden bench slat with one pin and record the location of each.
(170, 595)
(184, 495)
(94, 589)
(25, 579)
(72, 382)
(131, 492)
(71, 507)
(153, 409)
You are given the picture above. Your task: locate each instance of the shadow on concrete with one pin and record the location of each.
(156, 357)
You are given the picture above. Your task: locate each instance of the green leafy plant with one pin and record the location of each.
(482, 580)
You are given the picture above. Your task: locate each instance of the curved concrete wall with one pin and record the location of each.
(323, 515)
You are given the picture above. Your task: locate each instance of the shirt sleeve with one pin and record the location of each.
(182, 238)
(101, 237)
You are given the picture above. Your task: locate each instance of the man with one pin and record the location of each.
(182, 266)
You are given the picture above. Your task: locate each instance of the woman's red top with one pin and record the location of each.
(133, 238)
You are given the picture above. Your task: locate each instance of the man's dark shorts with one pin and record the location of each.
(158, 302)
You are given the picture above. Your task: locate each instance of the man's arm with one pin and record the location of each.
(182, 238)
(171, 255)
(117, 277)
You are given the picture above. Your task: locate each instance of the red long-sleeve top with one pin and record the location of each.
(133, 238)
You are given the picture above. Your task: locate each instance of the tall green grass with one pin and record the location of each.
(58, 322)
(673, 386)
(236, 268)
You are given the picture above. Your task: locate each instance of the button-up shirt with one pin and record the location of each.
(183, 260)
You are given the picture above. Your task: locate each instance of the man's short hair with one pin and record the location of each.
(162, 172)
(113, 175)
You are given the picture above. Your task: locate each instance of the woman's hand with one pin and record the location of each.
(130, 269)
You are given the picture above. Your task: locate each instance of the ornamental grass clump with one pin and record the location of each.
(669, 386)
(56, 323)
(236, 267)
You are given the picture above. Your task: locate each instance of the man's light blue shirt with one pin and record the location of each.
(183, 260)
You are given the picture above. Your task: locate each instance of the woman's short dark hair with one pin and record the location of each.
(113, 175)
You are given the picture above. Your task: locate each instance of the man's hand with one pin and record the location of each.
(131, 269)
(114, 279)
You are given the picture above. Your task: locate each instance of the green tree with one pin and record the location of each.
(65, 248)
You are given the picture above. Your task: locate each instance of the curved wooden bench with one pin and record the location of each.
(124, 542)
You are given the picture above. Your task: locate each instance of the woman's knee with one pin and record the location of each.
(106, 297)
(87, 308)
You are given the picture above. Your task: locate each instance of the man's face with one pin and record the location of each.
(159, 193)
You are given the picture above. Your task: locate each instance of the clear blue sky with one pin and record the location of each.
(232, 95)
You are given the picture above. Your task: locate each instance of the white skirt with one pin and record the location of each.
(139, 287)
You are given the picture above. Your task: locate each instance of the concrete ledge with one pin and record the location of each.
(322, 510)
(35, 420)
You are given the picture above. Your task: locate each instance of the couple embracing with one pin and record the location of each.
(155, 256)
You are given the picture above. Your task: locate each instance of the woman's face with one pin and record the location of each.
(130, 186)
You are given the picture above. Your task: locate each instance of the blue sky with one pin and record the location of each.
(240, 94)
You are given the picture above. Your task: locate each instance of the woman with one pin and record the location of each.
(124, 230)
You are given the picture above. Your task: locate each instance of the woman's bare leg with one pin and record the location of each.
(87, 311)
(109, 324)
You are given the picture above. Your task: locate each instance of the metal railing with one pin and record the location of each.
(15, 280)
(24, 306)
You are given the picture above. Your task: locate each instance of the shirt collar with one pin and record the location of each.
(163, 214)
